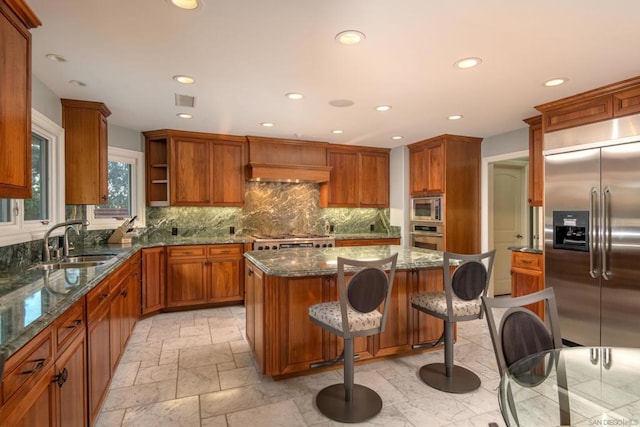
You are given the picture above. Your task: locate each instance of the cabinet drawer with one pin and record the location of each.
(69, 325)
(98, 297)
(527, 261)
(116, 278)
(27, 363)
(217, 250)
(187, 251)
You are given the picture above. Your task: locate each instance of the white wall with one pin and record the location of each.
(509, 142)
(399, 190)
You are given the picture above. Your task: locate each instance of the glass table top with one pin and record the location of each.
(585, 386)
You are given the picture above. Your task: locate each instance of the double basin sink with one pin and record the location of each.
(80, 261)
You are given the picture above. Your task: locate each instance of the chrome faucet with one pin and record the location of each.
(46, 254)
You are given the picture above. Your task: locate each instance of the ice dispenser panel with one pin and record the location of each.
(571, 230)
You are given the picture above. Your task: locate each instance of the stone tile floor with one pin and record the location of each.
(195, 369)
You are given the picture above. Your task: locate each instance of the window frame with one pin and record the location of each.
(19, 230)
(136, 160)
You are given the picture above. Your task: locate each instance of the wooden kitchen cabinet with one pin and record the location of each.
(99, 347)
(425, 328)
(86, 152)
(154, 269)
(367, 242)
(359, 177)
(426, 168)
(607, 102)
(527, 276)
(203, 274)
(536, 161)
(16, 18)
(69, 384)
(194, 168)
(449, 165)
(254, 311)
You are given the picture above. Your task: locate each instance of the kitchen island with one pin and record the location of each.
(281, 285)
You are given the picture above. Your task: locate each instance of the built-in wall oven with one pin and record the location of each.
(427, 235)
(427, 208)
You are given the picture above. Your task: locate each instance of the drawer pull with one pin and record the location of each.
(61, 378)
(124, 293)
(103, 297)
(75, 324)
(526, 261)
(39, 365)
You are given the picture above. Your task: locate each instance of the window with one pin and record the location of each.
(126, 190)
(28, 219)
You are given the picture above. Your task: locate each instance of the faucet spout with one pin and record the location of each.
(46, 253)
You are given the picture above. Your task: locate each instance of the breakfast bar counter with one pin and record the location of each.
(281, 285)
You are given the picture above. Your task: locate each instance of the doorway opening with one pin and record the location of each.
(506, 216)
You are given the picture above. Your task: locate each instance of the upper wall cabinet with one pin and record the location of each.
(450, 165)
(359, 176)
(194, 169)
(86, 152)
(15, 98)
(536, 161)
(608, 102)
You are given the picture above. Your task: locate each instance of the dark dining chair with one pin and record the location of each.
(521, 334)
(458, 302)
(356, 314)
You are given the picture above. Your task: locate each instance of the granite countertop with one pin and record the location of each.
(319, 262)
(30, 300)
(369, 235)
(525, 249)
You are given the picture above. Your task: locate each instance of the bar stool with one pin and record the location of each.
(460, 301)
(354, 315)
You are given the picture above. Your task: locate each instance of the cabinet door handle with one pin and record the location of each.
(124, 293)
(39, 365)
(250, 272)
(104, 197)
(61, 378)
(75, 324)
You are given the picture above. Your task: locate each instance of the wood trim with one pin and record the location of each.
(272, 171)
(626, 102)
(24, 13)
(594, 93)
(578, 113)
(444, 138)
(167, 133)
(76, 103)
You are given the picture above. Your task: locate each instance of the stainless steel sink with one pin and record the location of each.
(80, 261)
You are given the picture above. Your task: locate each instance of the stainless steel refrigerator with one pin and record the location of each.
(592, 242)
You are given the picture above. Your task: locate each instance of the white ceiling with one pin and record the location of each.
(247, 54)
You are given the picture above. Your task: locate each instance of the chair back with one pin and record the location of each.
(369, 287)
(521, 332)
(469, 281)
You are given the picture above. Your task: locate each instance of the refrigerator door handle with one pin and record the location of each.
(593, 232)
(606, 232)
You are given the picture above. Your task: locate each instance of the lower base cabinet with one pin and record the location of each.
(70, 385)
(284, 340)
(527, 276)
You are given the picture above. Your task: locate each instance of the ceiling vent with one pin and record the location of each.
(185, 101)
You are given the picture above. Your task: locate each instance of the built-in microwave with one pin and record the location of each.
(427, 208)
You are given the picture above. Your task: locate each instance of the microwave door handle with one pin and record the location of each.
(593, 232)
(606, 232)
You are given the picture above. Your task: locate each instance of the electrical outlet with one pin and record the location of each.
(371, 227)
(232, 230)
(174, 231)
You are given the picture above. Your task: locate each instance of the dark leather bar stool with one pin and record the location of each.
(460, 301)
(356, 314)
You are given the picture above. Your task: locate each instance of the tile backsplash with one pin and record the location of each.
(270, 208)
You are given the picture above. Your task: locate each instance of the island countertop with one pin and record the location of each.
(320, 262)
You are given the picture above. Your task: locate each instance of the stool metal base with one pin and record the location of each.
(461, 380)
(365, 403)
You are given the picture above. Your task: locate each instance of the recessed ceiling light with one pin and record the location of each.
(350, 37)
(77, 83)
(555, 82)
(396, 137)
(294, 95)
(383, 108)
(186, 4)
(55, 58)
(184, 115)
(467, 63)
(186, 80)
(337, 131)
(454, 117)
(267, 124)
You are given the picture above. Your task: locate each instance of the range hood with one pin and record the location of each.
(257, 171)
(286, 160)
